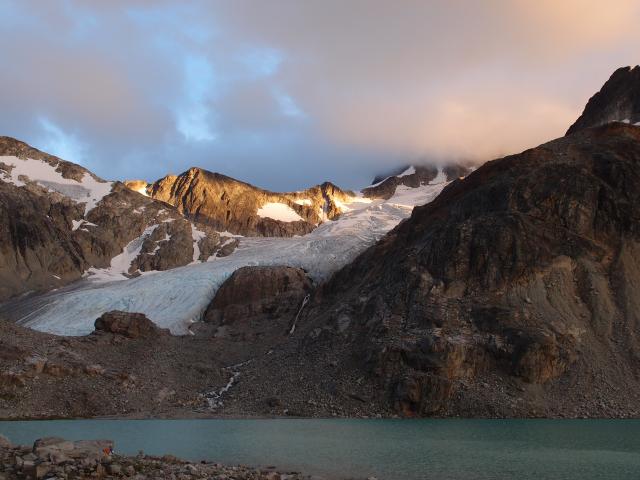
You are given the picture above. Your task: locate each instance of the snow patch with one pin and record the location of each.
(229, 234)
(303, 201)
(88, 191)
(441, 178)
(120, 264)
(352, 203)
(81, 223)
(279, 211)
(166, 238)
(409, 171)
(142, 190)
(196, 235)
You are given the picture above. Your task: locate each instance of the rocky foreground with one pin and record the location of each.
(56, 458)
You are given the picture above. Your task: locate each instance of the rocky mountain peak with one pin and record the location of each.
(412, 176)
(60, 222)
(617, 101)
(231, 205)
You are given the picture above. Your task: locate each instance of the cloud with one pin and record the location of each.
(287, 93)
(287, 104)
(194, 117)
(261, 62)
(57, 142)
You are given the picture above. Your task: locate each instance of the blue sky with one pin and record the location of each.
(285, 94)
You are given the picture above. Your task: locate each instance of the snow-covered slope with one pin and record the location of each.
(87, 190)
(175, 298)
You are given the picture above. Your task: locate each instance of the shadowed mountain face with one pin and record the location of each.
(238, 207)
(412, 177)
(617, 101)
(525, 273)
(58, 220)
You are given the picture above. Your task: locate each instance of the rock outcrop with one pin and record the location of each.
(257, 300)
(617, 101)
(412, 176)
(131, 325)
(227, 204)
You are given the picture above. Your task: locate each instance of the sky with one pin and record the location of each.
(289, 93)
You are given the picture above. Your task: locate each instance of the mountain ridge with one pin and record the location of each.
(617, 101)
(60, 222)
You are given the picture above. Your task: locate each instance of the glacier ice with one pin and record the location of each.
(176, 298)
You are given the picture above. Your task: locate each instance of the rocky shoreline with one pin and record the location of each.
(56, 458)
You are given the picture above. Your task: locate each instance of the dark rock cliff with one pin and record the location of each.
(617, 101)
(526, 271)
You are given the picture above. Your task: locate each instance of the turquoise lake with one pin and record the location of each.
(386, 449)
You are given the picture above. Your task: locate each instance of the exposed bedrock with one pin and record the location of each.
(526, 271)
(257, 300)
(230, 205)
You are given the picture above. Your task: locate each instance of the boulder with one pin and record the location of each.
(259, 293)
(51, 442)
(92, 449)
(4, 442)
(127, 324)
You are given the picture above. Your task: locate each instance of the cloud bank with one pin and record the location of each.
(287, 93)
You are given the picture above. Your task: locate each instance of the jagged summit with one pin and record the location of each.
(617, 101)
(232, 205)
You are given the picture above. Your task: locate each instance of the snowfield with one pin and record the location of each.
(176, 298)
(279, 211)
(88, 191)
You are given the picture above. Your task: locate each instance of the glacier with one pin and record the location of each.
(177, 298)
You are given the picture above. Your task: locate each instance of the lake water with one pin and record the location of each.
(387, 449)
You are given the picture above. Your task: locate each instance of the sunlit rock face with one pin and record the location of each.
(240, 208)
(139, 186)
(617, 101)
